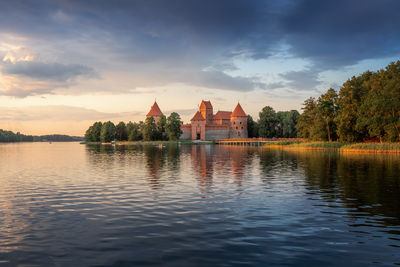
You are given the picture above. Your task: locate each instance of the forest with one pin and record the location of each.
(366, 108)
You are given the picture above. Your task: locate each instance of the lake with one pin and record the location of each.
(68, 204)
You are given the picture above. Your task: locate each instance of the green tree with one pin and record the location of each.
(267, 123)
(280, 116)
(327, 110)
(306, 119)
(88, 134)
(108, 132)
(93, 133)
(380, 110)
(134, 132)
(252, 127)
(121, 131)
(391, 97)
(288, 123)
(149, 129)
(350, 98)
(161, 134)
(173, 126)
(129, 128)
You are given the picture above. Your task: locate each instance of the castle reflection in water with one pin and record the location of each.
(218, 166)
(206, 162)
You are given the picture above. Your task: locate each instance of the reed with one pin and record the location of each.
(372, 147)
(342, 147)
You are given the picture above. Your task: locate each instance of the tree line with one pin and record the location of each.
(9, 136)
(367, 108)
(165, 129)
(281, 124)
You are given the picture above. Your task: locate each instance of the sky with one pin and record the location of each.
(65, 64)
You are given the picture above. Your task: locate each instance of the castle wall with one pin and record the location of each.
(186, 133)
(214, 134)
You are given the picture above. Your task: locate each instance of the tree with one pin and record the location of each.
(267, 123)
(121, 131)
(134, 132)
(252, 127)
(306, 119)
(287, 123)
(88, 134)
(93, 133)
(149, 129)
(173, 126)
(107, 132)
(379, 112)
(161, 134)
(311, 124)
(129, 128)
(327, 109)
(391, 97)
(350, 98)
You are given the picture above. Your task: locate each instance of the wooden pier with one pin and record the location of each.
(253, 141)
(245, 141)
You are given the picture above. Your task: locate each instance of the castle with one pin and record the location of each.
(205, 125)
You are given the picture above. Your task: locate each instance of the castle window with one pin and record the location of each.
(236, 127)
(242, 127)
(234, 123)
(240, 122)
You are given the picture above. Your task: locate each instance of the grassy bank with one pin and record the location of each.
(342, 147)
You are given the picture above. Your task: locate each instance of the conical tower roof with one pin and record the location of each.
(154, 111)
(238, 112)
(198, 117)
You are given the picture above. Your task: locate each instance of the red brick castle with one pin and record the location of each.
(205, 125)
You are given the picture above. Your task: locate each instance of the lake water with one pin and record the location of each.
(68, 204)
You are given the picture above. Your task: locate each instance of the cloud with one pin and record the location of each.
(52, 71)
(221, 80)
(305, 80)
(181, 112)
(57, 113)
(182, 41)
(275, 85)
(332, 34)
(23, 74)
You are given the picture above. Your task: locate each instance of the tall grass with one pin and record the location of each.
(395, 147)
(310, 145)
(282, 143)
(343, 147)
(335, 145)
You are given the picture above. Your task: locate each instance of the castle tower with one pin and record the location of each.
(238, 123)
(155, 112)
(206, 110)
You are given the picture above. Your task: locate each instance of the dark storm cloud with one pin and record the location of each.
(47, 71)
(333, 34)
(182, 33)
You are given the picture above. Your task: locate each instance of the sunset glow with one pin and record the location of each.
(67, 64)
